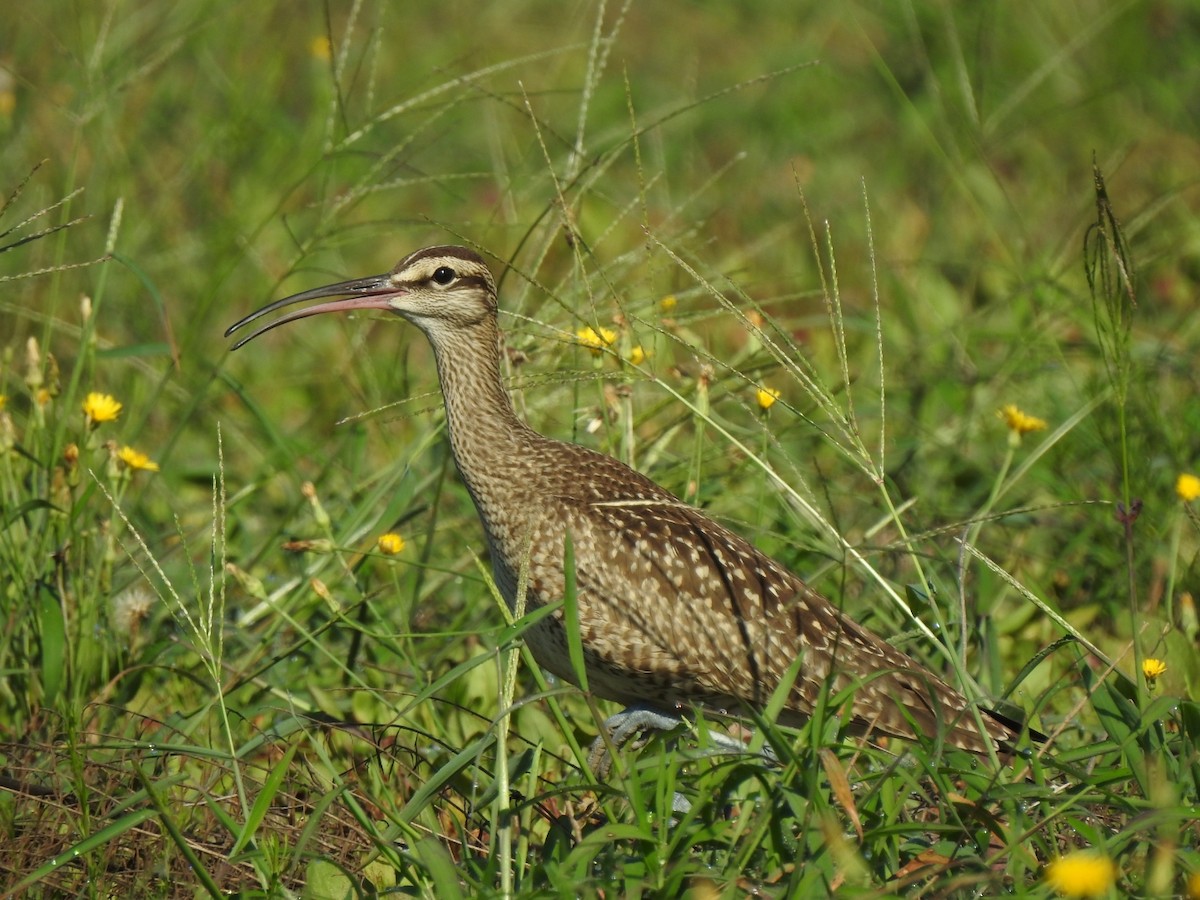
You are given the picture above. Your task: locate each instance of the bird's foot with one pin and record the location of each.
(624, 725)
(619, 729)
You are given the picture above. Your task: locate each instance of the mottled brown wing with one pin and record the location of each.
(679, 610)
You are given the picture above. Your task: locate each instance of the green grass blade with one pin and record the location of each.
(54, 645)
(571, 613)
(262, 803)
(177, 837)
(88, 844)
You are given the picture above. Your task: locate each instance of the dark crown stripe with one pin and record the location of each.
(449, 251)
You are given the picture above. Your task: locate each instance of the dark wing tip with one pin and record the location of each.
(1016, 728)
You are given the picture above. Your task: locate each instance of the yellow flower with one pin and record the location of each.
(766, 397)
(101, 408)
(595, 339)
(320, 48)
(391, 543)
(1019, 422)
(637, 355)
(1152, 668)
(1081, 874)
(43, 396)
(1193, 886)
(136, 459)
(3, 401)
(1187, 487)
(668, 303)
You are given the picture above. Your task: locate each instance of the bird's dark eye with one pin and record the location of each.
(443, 275)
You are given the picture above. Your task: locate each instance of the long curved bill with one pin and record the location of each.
(365, 293)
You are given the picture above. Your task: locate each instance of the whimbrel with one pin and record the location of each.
(674, 609)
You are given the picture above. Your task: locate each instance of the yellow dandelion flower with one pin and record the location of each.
(668, 303)
(1018, 422)
(1187, 486)
(1152, 667)
(595, 339)
(320, 48)
(1193, 886)
(101, 408)
(390, 543)
(1081, 874)
(766, 397)
(3, 402)
(43, 397)
(637, 356)
(136, 459)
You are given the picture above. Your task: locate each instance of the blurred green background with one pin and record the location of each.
(240, 150)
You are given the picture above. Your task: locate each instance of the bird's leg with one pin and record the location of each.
(727, 743)
(620, 728)
(628, 722)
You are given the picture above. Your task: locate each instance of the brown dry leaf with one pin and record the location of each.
(840, 785)
(922, 860)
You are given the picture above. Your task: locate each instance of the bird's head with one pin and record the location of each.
(436, 288)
